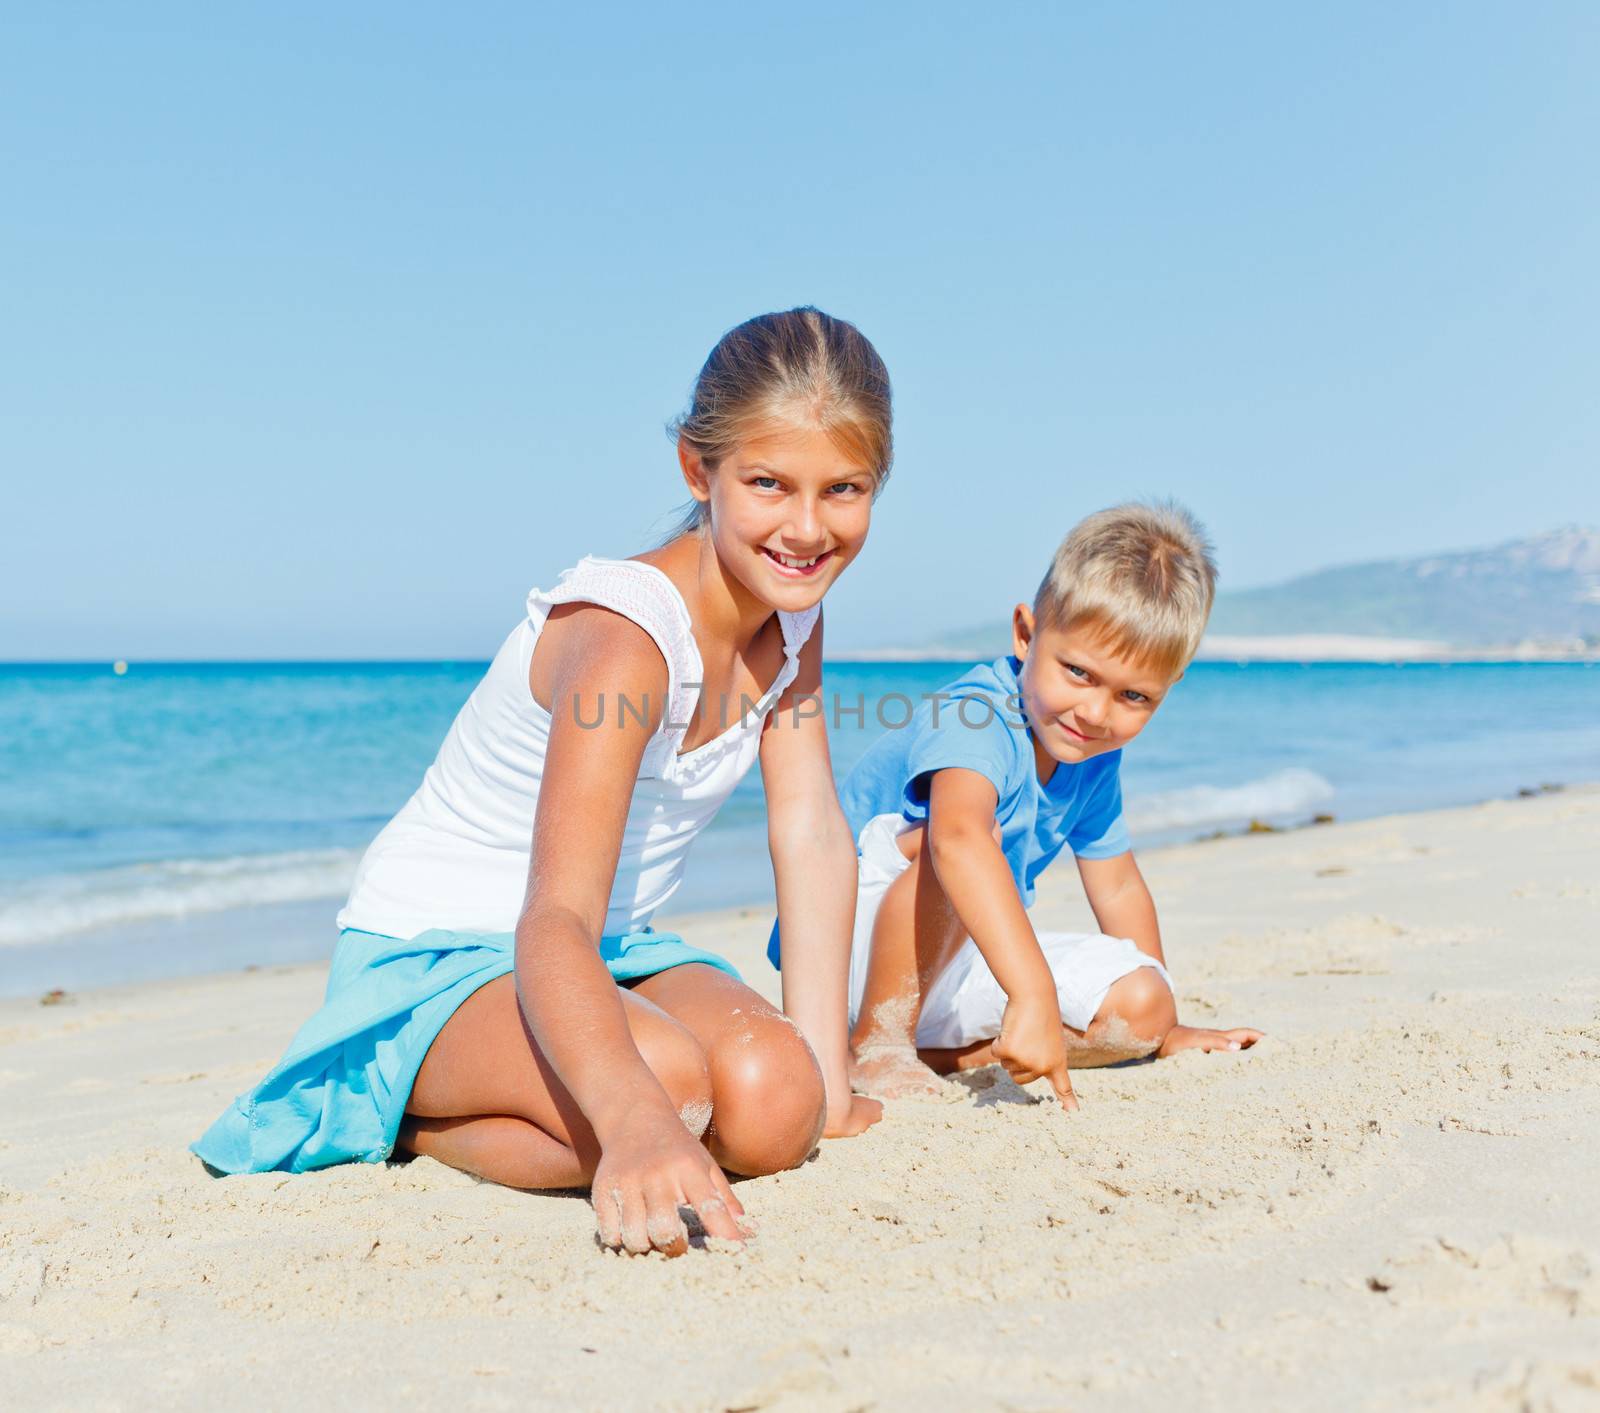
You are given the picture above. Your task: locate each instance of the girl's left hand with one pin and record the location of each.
(1189, 1037)
(858, 1118)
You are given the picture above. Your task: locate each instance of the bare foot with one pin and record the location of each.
(893, 1072)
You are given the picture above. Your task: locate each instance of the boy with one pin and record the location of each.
(956, 816)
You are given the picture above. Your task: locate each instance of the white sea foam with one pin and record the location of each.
(1283, 795)
(40, 909)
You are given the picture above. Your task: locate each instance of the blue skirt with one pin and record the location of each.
(339, 1092)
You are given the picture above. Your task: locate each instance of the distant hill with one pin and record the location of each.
(1544, 590)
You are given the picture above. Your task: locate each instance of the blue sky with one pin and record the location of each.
(329, 330)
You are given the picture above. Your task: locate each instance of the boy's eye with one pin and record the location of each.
(844, 486)
(1076, 671)
(1135, 697)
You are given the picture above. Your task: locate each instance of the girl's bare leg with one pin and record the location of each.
(487, 1101)
(504, 1149)
(767, 1097)
(915, 936)
(1131, 1023)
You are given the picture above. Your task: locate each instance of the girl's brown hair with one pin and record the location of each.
(800, 367)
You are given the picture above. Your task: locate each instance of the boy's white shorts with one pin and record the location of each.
(966, 1003)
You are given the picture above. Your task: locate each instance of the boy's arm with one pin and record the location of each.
(1123, 907)
(972, 871)
(1121, 902)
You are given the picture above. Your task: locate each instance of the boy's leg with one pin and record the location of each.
(487, 1101)
(915, 936)
(1131, 1023)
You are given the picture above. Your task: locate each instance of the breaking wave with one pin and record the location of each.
(1284, 795)
(42, 908)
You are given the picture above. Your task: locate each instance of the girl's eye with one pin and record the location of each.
(844, 486)
(766, 483)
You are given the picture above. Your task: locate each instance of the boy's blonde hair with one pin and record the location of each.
(1140, 576)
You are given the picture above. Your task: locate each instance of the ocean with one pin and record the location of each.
(139, 813)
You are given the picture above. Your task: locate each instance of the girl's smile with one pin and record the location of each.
(789, 510)
(791, 567)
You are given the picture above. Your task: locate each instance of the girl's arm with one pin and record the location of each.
(814, 869)
(650, 1163)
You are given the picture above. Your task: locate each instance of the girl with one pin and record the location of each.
(510, 1011)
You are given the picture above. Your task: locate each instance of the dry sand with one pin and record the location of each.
(1391, 1202)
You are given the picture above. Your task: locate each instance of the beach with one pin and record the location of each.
(1382, 1205)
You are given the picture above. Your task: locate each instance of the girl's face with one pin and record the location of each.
(789, 510)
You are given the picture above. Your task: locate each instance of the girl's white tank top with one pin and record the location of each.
(456, 856)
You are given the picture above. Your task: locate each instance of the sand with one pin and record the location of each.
(1389, 1203)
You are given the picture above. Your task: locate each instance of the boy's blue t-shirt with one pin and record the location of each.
(980, 727)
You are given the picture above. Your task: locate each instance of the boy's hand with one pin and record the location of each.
(861, 1114)
(1032, 1044)
(1190, 1037)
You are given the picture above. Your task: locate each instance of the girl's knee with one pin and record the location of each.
(680, 1066)
(1143, 1002)
(768, 1096)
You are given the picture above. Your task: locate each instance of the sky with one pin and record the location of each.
(329, 331)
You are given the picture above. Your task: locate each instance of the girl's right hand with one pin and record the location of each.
(648, 1171)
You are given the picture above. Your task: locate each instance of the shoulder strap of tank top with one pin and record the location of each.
(797, 628)
(796, 631)
(642, 593)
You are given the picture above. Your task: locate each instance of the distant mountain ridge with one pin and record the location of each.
(1543, 590)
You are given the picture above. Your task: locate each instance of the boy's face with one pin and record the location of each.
(1081, 696)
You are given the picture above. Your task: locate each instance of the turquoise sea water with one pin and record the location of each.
(178, 791)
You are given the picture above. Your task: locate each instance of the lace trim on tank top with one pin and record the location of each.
(796, 628)
(647, 596)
